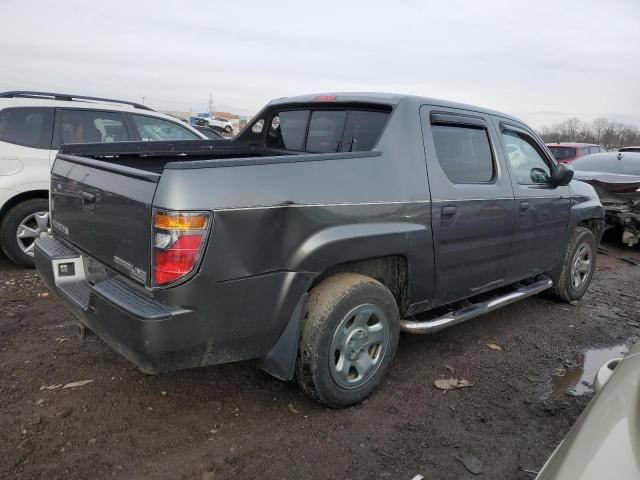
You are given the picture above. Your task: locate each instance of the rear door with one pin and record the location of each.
(542, 211)
(472, 202)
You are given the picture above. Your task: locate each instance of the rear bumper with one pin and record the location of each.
(201, 322)
(154, 336)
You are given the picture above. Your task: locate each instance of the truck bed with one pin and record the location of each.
(154, 156)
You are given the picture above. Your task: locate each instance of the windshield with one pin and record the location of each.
(563, 153)
(627, 164)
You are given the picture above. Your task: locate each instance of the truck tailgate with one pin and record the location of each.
(104, 209)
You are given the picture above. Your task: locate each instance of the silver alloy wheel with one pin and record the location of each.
(31, 228)
(581, 266)
(359, 345)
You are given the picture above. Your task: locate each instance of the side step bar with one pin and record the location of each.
(476, 309)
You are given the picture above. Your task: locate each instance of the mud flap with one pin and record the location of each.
(280, 362)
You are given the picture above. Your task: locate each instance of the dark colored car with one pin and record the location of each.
(210, 133)
(635, 149)
(616, 178)
(566, 152)
(315, 236)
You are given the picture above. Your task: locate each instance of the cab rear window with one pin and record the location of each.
(325, 131)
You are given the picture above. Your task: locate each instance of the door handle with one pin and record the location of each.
(449, 211)
(524, 206)
(88, 197)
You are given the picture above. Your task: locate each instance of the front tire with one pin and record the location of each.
(20, 227)
(578, 267)
(349, 338)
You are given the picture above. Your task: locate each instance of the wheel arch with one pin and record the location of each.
(22, 197)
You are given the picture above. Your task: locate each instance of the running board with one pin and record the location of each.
(476, 309)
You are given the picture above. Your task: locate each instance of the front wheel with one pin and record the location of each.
(228, 129)
(349, 338)
(578, 267)
(21, 226)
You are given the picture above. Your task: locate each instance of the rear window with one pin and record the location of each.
(609, 163)
(30, 127)
(464, 153)
(325, 131)
(563, 153)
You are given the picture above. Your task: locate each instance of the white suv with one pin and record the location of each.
(33, 125)
(220, 123)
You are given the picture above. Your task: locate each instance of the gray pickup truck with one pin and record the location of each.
(312, 239)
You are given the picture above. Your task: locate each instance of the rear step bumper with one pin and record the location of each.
(145, 331)
(476, 309)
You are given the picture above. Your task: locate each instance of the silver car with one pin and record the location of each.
(605, 441)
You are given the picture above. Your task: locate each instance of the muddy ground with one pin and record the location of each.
(234, 421)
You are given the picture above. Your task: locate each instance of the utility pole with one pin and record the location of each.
(143, 100)
(211, 106)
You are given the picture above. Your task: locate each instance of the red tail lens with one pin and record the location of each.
(177, 250)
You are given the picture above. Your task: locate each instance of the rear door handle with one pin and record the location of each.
(524, 206)
(449, 211)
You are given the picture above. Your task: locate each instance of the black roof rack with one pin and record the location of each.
(68, 97)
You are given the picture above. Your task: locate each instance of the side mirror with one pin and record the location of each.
(561, 176)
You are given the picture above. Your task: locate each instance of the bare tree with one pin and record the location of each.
(601, 131)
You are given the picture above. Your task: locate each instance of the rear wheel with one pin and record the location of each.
(349, 337)
(578, 267)
(228, 129)
(21, 226)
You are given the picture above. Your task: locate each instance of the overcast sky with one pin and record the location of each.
(541, 60)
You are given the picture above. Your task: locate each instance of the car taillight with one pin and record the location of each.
(178, 241)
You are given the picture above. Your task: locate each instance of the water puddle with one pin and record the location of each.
(577, 378)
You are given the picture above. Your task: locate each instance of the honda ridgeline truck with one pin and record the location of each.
(312, 239)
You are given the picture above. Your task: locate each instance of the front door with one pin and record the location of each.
(472, 202)
(542, 210)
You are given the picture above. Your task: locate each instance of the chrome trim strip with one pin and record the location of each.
(298, 205)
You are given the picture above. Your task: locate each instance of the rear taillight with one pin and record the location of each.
(178, 242)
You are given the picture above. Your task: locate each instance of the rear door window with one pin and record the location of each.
(152, 129)
(464, 153)
(27, 126)
(92, 126)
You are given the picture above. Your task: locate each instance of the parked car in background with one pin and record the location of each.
(210, 133)
(630, 149)
(220, 123)
(566, 152)
(605, 440)
(616, 178)
(33, 125)
(315, 236)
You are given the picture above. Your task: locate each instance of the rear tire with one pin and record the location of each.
(578, 267)
(349, 338)
(11, 223)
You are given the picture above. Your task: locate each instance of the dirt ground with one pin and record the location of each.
(234, 421)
